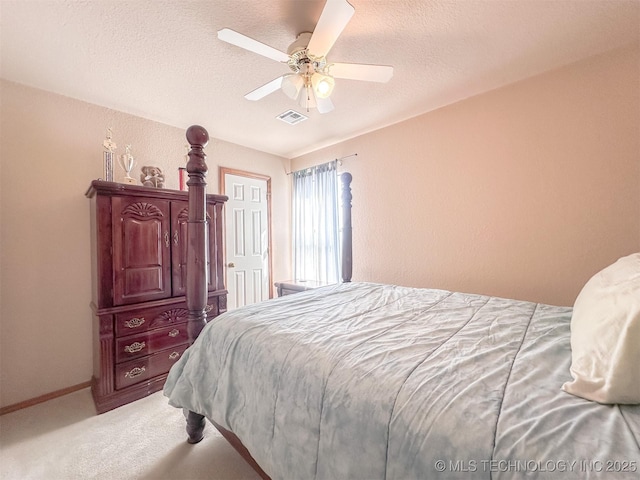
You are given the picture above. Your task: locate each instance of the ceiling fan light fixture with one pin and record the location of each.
(291, 86)
(322, 85)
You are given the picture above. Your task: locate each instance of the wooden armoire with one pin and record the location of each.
(139, 256)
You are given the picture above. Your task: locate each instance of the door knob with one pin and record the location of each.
(231, 265)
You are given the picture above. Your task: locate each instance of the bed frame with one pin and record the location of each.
(196, 287)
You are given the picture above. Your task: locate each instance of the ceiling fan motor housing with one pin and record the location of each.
(300, 43)
(300, 61)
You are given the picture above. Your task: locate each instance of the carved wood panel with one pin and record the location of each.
(141, 250)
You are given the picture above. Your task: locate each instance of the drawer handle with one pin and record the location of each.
(134, 347)
(208, 308)
(135, 372)
(174, 333)
(134, 322)
(174, 355)
(167, 242)
(175, 237)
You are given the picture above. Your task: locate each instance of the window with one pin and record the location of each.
(316, 244)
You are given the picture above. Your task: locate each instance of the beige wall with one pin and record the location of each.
(50, 150)
(522, 192)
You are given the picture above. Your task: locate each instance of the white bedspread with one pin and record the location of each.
(383, 382)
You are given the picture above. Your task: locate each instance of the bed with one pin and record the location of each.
(363, 380)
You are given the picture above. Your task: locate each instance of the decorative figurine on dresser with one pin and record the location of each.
(141, 318)
(152, 177)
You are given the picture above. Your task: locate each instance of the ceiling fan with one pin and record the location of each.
(312, 80)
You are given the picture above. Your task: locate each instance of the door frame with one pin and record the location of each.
(222, 171)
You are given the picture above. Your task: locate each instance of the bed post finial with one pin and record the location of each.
(197, 231)
(198, 138)
(347, 256)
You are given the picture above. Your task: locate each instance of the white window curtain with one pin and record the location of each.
(316, 246)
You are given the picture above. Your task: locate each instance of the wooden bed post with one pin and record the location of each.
(197, 252)
(347, 256)
(196, 288)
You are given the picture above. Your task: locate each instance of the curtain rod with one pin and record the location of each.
(339, 160)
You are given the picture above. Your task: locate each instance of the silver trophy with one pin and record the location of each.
(127, 163)
(108, 156)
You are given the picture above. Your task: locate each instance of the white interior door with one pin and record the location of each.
(247, 240)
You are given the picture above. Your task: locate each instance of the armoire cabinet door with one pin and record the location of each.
(141, 249)
(179, 220)
(216, 260)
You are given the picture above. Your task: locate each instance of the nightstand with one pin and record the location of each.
(294, 286)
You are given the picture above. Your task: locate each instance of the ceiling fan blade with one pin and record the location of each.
(334, 17)
(242, 41)
(324, 105)
(360, 71)
(265, 89)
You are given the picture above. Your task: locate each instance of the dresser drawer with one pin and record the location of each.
(143, 319)
(152, 341)
(212, 310)
(141, 369)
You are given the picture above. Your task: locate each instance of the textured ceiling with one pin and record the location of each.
(161, 59)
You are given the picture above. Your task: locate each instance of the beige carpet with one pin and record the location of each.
(64, 439)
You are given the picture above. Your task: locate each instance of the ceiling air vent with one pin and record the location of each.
(292, 117)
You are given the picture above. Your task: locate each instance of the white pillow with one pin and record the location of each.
(605, 335)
